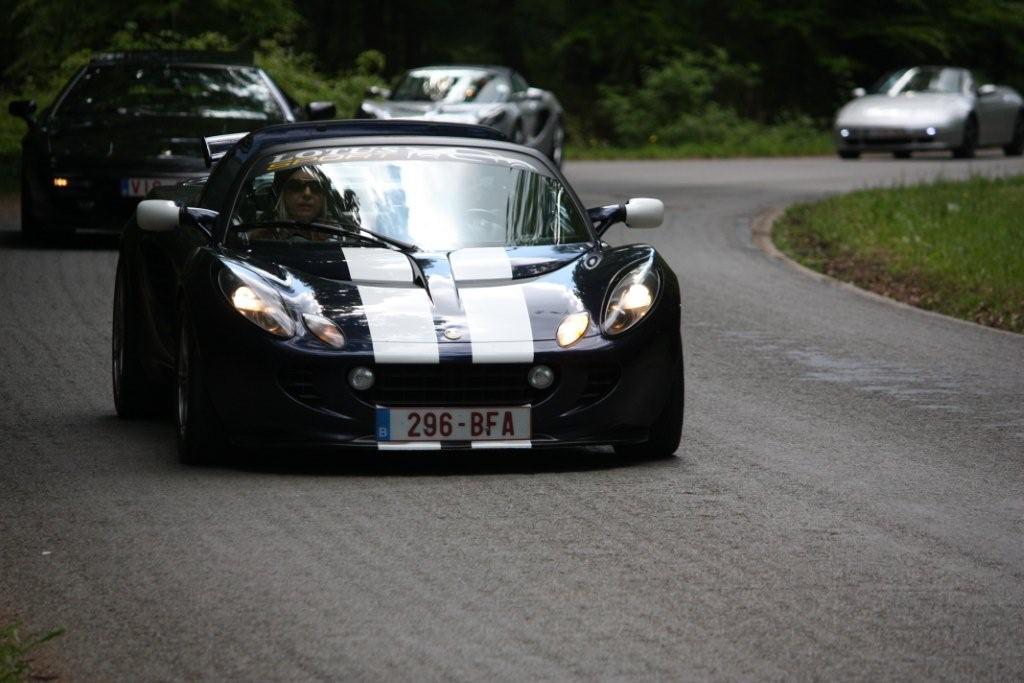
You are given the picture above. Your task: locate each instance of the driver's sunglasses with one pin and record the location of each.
(299, 186)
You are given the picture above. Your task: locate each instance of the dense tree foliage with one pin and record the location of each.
(687, 61)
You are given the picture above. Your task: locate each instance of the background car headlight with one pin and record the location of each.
(631, 299)
(257, 302)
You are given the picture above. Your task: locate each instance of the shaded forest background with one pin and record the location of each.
(629, 73)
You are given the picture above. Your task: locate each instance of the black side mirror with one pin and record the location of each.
(203, 219)
(604, 217)
(23, 109)
(320, 111)
(376, 91)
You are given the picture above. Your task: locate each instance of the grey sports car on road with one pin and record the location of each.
(494, 96)
(930, 108)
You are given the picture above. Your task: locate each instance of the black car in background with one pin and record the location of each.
(130, 121)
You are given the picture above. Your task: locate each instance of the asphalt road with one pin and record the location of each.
(848, 501)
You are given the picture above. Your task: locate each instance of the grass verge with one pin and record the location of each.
(15, 662)
(952, 247)
(811, 143)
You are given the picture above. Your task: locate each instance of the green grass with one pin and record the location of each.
(952, 247)
(15, 651)
(11, 132)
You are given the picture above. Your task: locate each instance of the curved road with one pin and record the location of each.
(848, 501)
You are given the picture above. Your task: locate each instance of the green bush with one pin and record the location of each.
(697, 99)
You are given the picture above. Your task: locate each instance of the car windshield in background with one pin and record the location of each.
(452, 86)
(920, 79)
(436, 198)
(172, 90)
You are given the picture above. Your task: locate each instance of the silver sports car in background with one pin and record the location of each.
(494, 96)
(928, 108)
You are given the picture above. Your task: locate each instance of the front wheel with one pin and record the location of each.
(134, 395)
(558, 145)
(970, 140)
(666, 432)
(29, 224)
(200, 437)
(518, 134)
(1016, 146)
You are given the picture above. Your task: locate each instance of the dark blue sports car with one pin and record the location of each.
(394, 285)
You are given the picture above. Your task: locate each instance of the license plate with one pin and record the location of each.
(140, 187)
(453, 424)
(882, 133)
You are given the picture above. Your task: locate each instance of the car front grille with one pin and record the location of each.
(454, 385)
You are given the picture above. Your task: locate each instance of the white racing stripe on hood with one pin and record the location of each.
(401, 323)
(481, 263)
(499, 324)
(377, 265)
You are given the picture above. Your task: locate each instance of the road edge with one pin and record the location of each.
(761, 234)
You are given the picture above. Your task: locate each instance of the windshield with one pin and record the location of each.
(173, 90)
(435, 198)
(452, 86)
(920, 79)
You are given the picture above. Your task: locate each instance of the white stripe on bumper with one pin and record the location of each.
(409, 446)
(496, 445)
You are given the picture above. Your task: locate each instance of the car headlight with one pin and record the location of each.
(631, 299)
(572, 328)
(257, 302)
(324, 330)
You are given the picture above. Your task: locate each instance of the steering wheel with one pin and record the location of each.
(484, 218)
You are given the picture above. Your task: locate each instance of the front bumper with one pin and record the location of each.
(95, 200)
(896, 139)
(273, 393)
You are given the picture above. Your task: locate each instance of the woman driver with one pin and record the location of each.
(300, 195)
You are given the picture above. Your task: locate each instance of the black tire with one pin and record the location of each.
(519, 134)
(848, 154)
(29, 224)
(901, 154)
(667, 431)
(1016, 146)
(135, 395)
(557, 154)
(970, 140)
(200, 436)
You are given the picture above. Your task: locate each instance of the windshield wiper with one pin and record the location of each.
(336, 228)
